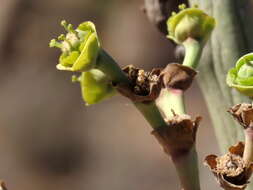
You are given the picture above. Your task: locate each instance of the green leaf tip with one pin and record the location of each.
(190, 23)
(80, 47)
(95, 86)
(241, 76)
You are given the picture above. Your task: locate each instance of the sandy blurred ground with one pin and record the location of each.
(49, 139)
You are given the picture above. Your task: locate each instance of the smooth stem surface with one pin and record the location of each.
(171, 99)
(108, 65)
(186, 164)
(151, 114)
(248, 149)
(149, 110)
(193, 51)
(187, 169)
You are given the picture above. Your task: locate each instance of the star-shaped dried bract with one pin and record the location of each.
(145, 86)
(243, 113)
(230, 170)
(179, 136)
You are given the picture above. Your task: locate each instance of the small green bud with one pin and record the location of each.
(80, 47)
(96, 86)
(241, 76)
(190, 23)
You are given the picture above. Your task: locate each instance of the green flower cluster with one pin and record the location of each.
(241, 76)
(190, 23)
(80, 49)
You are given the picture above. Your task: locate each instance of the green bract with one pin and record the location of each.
(241, 76)
(80, 47)
(95, 86)
(190, 23)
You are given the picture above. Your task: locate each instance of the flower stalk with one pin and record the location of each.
(193, 50)
(248, 150)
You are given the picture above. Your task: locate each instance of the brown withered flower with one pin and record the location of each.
(230, 170)
(177, 76)
(178, 137)
(243, 113)
(145, 86)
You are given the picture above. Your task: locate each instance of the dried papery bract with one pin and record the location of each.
(230, 170)
(178, 137)
(144, 86)
(243, 113)
(178, 141)
(177, 76)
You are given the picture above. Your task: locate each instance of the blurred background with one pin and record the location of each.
(49, 139)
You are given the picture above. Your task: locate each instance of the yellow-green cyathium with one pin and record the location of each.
(80, 47)
(190, 23)
(241, 76)
(95, 86)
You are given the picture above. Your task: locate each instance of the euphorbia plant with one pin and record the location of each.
(159, 94)
(101, 77)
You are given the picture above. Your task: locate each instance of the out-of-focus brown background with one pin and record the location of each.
(49, 139)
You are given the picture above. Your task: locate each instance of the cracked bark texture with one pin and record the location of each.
(229, 41)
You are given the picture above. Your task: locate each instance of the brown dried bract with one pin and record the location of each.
(230, 170)
(243, 113)
(177, 76)
(145, 86)
(179, 135)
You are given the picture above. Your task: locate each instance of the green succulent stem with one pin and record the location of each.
(248, 149)
(186, 164)
(193, 51)
(187, 169)
(110, 67)
(151, 113)
(173, 99)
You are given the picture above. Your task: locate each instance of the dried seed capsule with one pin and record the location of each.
(230, 170)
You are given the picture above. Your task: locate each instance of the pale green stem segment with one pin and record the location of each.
(186, 164)
(149, 110)
(108, 65)
(248, 149)
(193, 51)
(171, 99)
(151, 114)
(187, 169)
